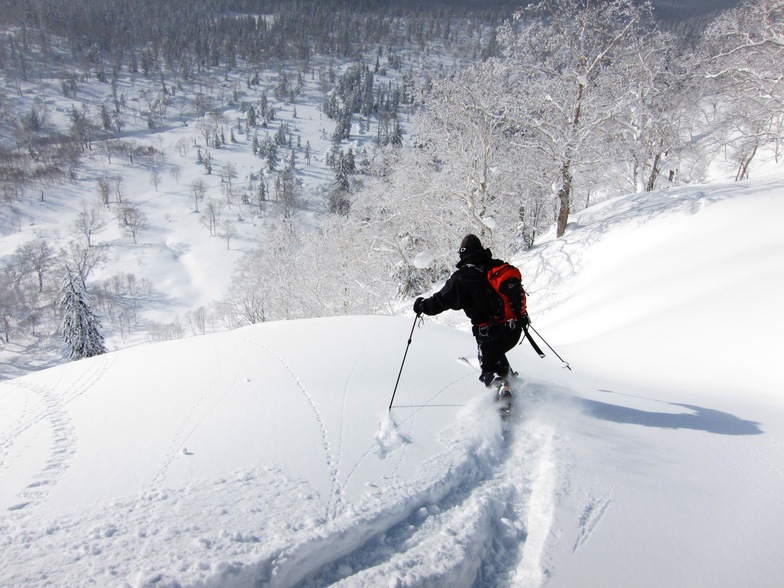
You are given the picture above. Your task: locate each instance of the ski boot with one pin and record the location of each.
(503, 396)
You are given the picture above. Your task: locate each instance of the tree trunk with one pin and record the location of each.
(565, 191)
(564, 196)
(654, 173)
(743, 169)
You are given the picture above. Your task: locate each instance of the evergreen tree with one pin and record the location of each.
(80, 326)
(339, 195)
(272, 155)
(348, 162)
(251, 113)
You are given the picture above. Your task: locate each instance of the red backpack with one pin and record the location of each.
(506, 292)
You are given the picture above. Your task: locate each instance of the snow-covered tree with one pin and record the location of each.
(82, 259)
(304, 273)
(655, 94)
(465, 134)
(408, 217)
(36, 257)
(288, 191)
(11, 303)
(339, 193)
(745, 50)
(80, 326)
(88, 222)
(198, 191)
(461, 175)
(558, 55)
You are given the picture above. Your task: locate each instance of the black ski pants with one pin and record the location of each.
(493, 342)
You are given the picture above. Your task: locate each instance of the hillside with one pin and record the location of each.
(266, 456)
(194, 170)
(208, 188)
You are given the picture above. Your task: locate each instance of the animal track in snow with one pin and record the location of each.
(330, 460)
(191, 422)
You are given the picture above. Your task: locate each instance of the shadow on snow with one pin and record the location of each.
(699, 419)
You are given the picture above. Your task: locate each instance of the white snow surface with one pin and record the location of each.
(267, 456)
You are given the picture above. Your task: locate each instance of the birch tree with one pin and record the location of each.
(655, 97)
(558, 54)
(132, 220)
(744, 52)
(11, 304)
(88, 222)
(464, 125)
(36, 257)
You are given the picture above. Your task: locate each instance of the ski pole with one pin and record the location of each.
(565, 363)
(411, 336)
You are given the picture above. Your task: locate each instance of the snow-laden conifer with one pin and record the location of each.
(80, 326)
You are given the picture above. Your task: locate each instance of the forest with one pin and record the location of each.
(366, 136)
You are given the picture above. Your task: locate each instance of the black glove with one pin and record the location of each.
(419, 305)
(525, 321)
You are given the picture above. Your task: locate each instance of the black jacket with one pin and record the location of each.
(466, 289)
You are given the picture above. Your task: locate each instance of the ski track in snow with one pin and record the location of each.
(342, 424)
(400, 452)
(472, 521)
(484, 512)
(61, 451)
(53, 412)
(540, 515)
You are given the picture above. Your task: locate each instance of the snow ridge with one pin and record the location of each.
(540, 512)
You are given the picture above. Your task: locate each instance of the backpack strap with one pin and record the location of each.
(482, 269)
(530, 338)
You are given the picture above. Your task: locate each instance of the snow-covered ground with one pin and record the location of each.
(266, 456)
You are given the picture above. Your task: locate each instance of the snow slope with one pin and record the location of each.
(266, 456)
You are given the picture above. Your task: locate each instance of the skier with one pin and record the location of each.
(467, 290)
